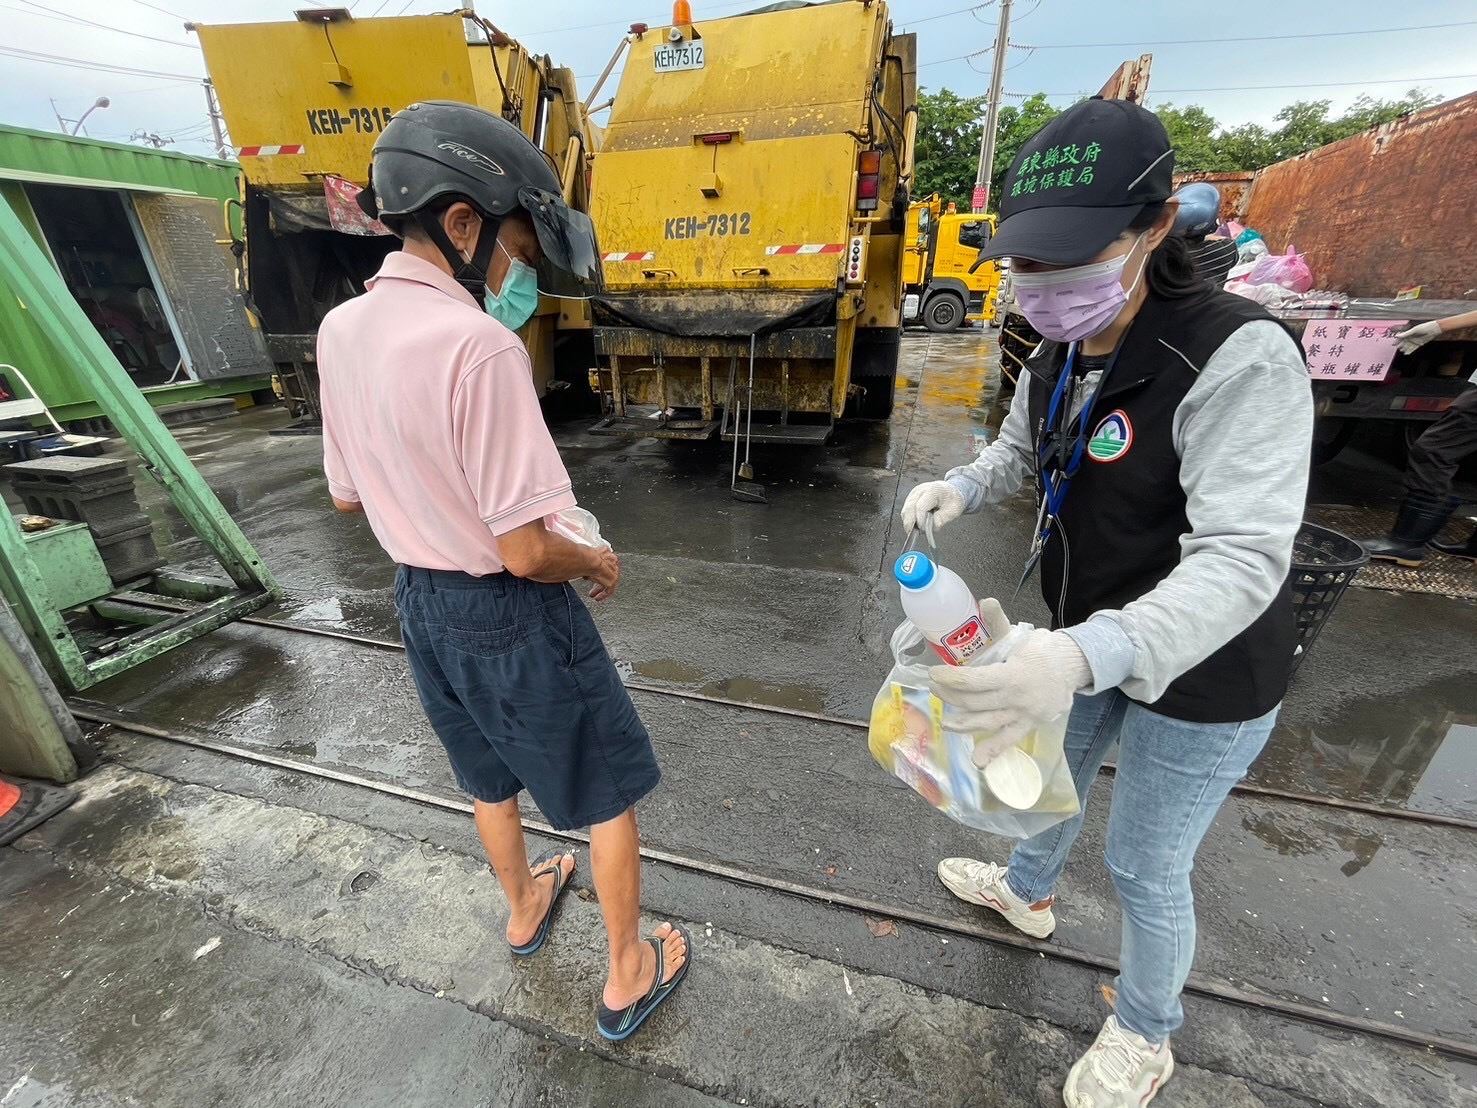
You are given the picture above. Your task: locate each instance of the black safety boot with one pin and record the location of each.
(1467, 550)
(1417, 522)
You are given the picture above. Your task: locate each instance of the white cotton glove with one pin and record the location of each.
(1004, 701)
(931, 505)
(1416, 337)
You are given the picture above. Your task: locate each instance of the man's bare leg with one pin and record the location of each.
(501, 831)
(616, 860)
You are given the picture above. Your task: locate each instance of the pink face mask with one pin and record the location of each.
(1073, 304)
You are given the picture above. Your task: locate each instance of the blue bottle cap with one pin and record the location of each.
(914, 570)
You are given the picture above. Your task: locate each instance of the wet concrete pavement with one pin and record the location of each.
(313, 913)
(1292, 901)
(787, 604)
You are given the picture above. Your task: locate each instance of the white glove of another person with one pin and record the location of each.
(1413, 338)
(931, 505)
(1002, 702)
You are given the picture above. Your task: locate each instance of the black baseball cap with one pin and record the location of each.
(1079, 182)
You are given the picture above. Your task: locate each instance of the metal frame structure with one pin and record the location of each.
(37, 283)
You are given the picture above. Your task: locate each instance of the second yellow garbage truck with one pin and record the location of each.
(305, 100)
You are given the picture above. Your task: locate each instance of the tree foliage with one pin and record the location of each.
(949, 128)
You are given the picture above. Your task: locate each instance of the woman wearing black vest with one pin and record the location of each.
(1167, 426)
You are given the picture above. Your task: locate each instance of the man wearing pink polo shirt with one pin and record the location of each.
(432, 428)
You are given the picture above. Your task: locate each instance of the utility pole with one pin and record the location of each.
(992, 112)
(222, 151)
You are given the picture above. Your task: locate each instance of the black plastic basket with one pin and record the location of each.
(1323, 564)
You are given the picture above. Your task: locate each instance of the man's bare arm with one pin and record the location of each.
(538, 554)
(347, 505)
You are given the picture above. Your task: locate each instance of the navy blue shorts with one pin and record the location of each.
(520, 690)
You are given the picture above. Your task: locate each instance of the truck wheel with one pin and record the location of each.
(874, 367)
(945, 312)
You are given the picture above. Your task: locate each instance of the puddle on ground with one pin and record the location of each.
(1416, 751)
(804, 697)
(328, 610)
(669, 671)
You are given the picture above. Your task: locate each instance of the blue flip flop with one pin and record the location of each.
(547, 862)
(617, 1025)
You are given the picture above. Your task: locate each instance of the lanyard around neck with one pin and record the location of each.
(1058, 453)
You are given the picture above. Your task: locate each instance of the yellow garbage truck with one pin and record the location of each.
(940, 288)
(304, 101)
(751, 195)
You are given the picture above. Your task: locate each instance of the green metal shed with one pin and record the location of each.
(141, 238)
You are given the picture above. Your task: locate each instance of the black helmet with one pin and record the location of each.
(1200, 210)
(436, 149)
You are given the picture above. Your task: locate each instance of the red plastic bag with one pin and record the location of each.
(1290, 271)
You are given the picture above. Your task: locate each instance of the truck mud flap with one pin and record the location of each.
(688, 430)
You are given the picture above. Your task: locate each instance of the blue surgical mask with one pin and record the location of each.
(514, 304)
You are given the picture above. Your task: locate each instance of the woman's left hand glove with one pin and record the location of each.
(1005, 700)
(1413, 338)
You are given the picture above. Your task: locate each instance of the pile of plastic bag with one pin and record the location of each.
(1273, 280)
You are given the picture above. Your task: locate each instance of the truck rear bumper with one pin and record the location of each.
(797, 342)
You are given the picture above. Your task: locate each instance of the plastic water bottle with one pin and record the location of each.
(941, 606)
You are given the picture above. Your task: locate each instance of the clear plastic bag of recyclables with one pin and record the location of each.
(577, 525)
(908, 738)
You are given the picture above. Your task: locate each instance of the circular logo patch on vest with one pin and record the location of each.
(1111, 438)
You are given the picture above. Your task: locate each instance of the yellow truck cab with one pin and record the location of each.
(939, 288)
(305, 100)
(751, 197)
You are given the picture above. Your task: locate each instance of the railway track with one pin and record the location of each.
(1209, 987)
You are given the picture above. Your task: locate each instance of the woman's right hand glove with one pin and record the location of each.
(932, 505)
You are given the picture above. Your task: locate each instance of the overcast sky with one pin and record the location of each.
(1079, 43)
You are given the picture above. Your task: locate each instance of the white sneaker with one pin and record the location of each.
(1120, 1070)
(984, 883)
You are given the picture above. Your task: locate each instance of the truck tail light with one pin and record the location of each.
(1420, 403)
(717, 138)
(681, 13)
(868, 179)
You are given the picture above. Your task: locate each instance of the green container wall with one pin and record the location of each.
(109, 164)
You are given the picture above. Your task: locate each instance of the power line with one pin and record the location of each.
(157, 8)
(44, 12)
(622, 22)
(973, 9)
(1258, 38)
(1205, 41)
(1258, 88)
(100, 67)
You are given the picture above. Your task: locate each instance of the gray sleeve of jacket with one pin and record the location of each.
(1004, 465)
(1243, 434)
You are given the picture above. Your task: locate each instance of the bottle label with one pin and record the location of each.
(963, 643)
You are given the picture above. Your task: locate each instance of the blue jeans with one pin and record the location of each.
(1172, 778)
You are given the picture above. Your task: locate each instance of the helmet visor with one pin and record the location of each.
(571, 259)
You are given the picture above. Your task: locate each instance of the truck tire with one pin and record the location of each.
(570, 395)
(943, 312)
(874, 367)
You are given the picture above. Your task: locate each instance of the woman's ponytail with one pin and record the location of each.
(1171, 270)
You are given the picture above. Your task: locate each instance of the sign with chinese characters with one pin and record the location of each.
(1350, 349)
